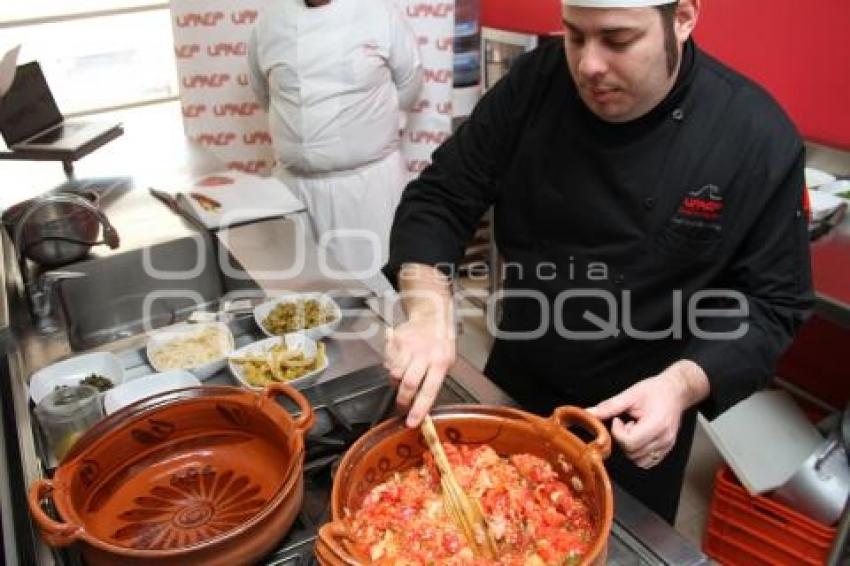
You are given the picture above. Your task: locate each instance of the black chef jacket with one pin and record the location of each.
(618, 226)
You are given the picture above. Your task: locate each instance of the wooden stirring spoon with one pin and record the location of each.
(465, 510)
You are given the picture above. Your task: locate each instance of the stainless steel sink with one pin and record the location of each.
(122, 295)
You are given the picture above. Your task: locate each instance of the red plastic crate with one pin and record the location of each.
(751, 530)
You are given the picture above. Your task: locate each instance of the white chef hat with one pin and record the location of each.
(616, 3)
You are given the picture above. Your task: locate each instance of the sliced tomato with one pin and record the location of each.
(552, 518)
(451, 543)
(535, 512)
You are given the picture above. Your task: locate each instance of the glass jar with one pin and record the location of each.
(66, 413)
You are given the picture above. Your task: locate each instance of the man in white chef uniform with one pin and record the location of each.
(335, 76)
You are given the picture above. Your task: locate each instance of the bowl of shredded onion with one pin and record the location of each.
(294, 358)
(200, 348)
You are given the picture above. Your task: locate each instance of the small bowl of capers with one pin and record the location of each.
(101, 370)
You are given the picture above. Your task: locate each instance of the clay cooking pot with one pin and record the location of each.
(205, 475)
(391, 447)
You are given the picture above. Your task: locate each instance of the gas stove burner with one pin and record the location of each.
(342, 432)
(324, 451)
(318, 465)
(337, 441)
(306, 558)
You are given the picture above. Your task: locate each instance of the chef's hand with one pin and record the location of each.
(656, 404)
(420, 351)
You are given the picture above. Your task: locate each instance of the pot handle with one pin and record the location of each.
(336, 538)
(53, 532)
(305, 421)
(567, 416)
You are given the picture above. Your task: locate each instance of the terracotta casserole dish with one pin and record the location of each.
(392, 447)
(205, 475)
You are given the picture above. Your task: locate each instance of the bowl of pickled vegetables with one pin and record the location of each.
(293, 358)
(316, 314)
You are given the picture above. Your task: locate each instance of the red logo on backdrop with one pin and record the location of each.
(445, 108)
(435, 137)
(243, 17)
(417, 165)
(219, 139)
(199, 19)
(214, 80)
(194, 110)
(186, 51)
(441, 76)
(248, 166)
(445, 44)
(421, 105)
(423, 10)
(242, 79)
(259, 137)
(228, 49)
(422, 40)
(236, 109)
(705, 203)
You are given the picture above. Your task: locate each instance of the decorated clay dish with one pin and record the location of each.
(202, 475)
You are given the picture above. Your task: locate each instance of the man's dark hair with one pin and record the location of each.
(668, 21)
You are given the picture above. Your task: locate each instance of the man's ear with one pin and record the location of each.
(687, 13)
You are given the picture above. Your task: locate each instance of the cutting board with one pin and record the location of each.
(231, 198)
(764, 439)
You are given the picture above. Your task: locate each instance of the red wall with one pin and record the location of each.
(815, 362)
(798, 50)
(529, 16)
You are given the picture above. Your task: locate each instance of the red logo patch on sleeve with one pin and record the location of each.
(807, 204)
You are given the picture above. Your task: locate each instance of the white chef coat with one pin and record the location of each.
(334, 79)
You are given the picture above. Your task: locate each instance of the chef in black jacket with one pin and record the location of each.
(649, 208)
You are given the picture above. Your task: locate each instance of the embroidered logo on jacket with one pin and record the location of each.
(705, 203)
(700, 211)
